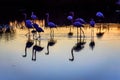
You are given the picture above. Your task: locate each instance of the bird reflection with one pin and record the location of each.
(100, 33)
(78, 47)
(29, 44)
(80, 41)
(92, 43)
(51, 42)
(36, 48)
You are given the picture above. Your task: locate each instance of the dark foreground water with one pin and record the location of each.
(101, 63)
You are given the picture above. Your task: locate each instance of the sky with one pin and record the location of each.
(11, 8)
(55, 2)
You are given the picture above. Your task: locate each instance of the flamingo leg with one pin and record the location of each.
(72, 59)
(50, 33)
(47, 53)
(77, 34)
(25, 52)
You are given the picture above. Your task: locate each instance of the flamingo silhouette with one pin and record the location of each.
(29, 25)
(79, 25)
(29, 44)
(80, 44)
(100, 16)
(51, 25)
(70, 18)
(36, 48)
(82, 21)
(78, 47)
(33, 17)
(92, 43)
(51, 42)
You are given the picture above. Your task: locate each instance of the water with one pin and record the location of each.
(101, 63)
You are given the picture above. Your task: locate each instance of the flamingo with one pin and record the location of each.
(92, 43)
(28, 24)
(36, 48)
(78, 24)
(100, 16)
(82, 21)
(51, 25)
(80, 44)
(70, 18)
(33, 17)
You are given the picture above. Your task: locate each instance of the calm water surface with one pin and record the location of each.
(101, 63)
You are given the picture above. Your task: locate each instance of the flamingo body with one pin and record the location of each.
(39, 29)
(28, 24)
(51, 25)
(81, 20)
(77, 24)
(100, 15)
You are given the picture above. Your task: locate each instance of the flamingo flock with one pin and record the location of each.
(35, 29)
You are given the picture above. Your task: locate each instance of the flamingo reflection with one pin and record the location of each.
(29, 44)
(78, 47)
(80, 43)
(51, 42)
(36, 48)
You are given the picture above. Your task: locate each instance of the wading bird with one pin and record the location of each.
(52, 41)
(92, 43)
(100, 16)
(70, 18)
(80, 43)
(51, 25)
